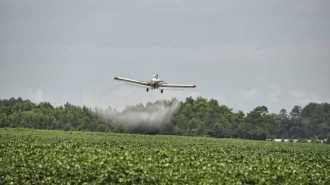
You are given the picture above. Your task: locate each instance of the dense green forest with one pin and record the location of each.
(194, 117)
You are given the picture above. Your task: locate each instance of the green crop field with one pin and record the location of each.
(59, 157)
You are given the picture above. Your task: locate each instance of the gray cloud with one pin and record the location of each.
(304, 97)
(274, 92)
(71, 51)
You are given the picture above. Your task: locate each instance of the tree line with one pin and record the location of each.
(193, 117)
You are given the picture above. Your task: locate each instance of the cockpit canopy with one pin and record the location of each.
(155, 76)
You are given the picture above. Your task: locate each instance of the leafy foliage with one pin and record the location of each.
(193, 117)
(62, 157)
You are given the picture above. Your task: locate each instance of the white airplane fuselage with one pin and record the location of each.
(155, 83)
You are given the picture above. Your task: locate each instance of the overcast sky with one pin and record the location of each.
(242, 53)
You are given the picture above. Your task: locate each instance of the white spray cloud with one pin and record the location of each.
(134, 104)
(151, 114)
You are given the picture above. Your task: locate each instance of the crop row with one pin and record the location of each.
(58, 157)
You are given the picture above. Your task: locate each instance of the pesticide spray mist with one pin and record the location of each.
(133, 106)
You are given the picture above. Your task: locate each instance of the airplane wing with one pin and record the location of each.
(177, 85)
(132, 81)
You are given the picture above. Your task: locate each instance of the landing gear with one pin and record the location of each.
(147, 89)
(161, 91)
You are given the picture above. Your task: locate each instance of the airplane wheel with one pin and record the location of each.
(147, 89)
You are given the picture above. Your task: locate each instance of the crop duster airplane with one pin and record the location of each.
(155, 83)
